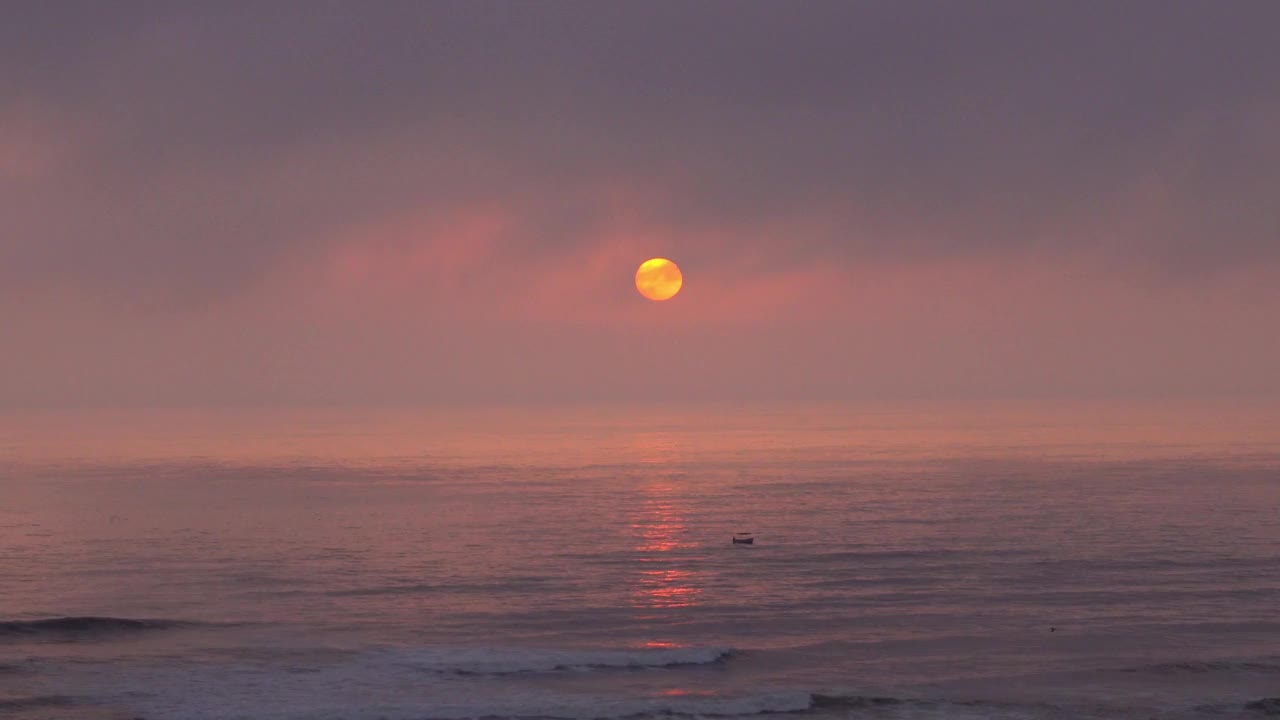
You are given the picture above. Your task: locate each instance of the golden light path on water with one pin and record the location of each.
(660, 528)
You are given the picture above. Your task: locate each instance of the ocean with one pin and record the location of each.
(1020, 563)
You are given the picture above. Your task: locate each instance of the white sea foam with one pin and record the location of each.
(348, 694)
(419, 683)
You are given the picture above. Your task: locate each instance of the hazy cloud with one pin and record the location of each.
(161, 158)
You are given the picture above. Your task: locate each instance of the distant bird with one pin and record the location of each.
(1053, 629)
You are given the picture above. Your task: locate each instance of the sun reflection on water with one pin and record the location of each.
(661, 533)
(668, 588)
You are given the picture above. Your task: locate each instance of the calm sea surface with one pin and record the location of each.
(908, 563)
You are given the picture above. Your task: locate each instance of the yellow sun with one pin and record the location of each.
(659, 279)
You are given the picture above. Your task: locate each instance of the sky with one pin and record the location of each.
(302, 203)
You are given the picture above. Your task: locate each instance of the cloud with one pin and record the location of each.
(305, 177)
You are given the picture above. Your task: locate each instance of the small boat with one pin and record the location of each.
(743, 538)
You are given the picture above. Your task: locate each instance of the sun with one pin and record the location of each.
(659, 279)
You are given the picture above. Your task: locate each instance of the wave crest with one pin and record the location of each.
(34, 702)
(510, 661)
(79, 626)
(1266, 706)
(1208, 666)
(792, 703)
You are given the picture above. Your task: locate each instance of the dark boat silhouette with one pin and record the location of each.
(743, 538)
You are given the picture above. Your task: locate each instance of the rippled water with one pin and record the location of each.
(578, 565)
